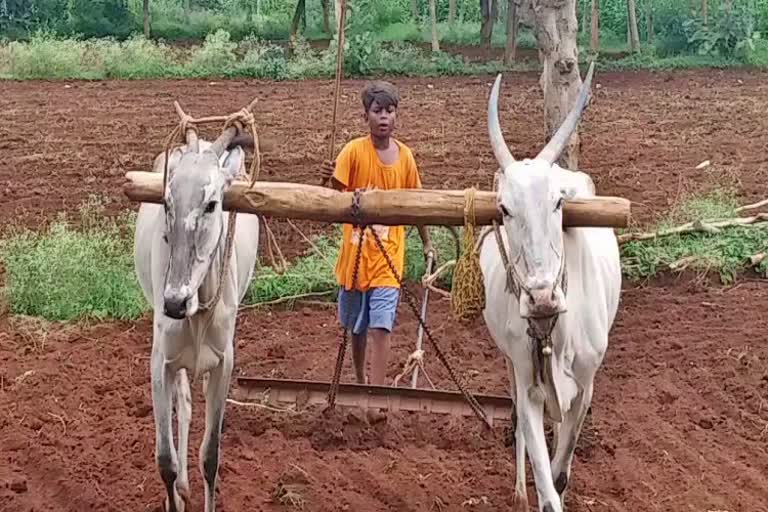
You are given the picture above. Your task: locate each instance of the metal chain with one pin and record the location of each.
(473, 403)
(356, 214)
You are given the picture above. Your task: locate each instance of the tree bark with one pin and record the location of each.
(595, 28)
(326, 16)
(433, 21)
(147, 20)
(488, 9)
(451, 11)
(415, 10)
(633, 32)
(435, 207)
(556, 29)
(298, 14)
(513, 22)
(649, 21)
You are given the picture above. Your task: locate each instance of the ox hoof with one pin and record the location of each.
(180, 505)
(520, 503)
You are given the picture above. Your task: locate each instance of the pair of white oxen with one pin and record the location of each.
(570, 275)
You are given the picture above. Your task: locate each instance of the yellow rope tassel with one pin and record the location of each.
(468, 290)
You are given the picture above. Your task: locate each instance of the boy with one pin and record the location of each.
(380, 161)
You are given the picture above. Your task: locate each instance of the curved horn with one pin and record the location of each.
(190, 135)
(500, 148)
(557, 143)
(225, 139)
(233, 128)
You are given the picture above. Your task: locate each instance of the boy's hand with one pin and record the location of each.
(327, 169)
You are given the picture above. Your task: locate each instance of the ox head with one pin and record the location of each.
(194, 219)
(531, 197)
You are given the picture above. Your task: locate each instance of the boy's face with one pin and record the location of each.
(381, 120)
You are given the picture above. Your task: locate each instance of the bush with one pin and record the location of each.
(139, 58)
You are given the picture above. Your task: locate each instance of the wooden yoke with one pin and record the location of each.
(387, 207)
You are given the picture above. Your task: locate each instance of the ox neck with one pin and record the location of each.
(210, 284)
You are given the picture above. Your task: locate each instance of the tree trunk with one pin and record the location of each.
(298, 14)
(433, 19)
(337, 11)
(649, 21)
(147, 20)
(704, 11)
(595, 28)
(326, 17)
(633, 32)
(390, 207)
(451, 11)
(258, 8)
(415, 10)
(556, 29)
(584, 17)
(4, 7)
(187, 9)
(510, 52)
(488, 9)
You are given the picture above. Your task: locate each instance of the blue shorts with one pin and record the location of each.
(374, 309)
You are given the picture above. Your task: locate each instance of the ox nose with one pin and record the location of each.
(175, 306)
(542, 302)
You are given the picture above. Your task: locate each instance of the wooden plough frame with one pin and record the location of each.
(282, 392)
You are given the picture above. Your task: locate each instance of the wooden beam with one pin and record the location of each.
(388, 207)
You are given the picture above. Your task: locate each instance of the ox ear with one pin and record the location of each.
(233, 164)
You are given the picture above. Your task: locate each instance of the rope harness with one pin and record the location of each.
(541, 341)
(187, 129)
(356, 211)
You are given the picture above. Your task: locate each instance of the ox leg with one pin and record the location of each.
(520, 503)
(530, 418)
(184, 414)
(215, 400)
(569, 436)
(165, 452)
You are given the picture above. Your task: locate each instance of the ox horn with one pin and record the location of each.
(233, 127)
(190, 134)
(500, 148)
(557, 143)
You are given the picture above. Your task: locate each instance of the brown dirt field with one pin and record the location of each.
(642, 137)
(679, 417)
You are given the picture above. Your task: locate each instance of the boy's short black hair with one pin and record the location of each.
(384, 93)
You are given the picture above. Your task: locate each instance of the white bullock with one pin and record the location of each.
(179, 252)
(567, 277)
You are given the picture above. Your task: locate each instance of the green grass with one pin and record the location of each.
(67, 274)
(86, 272)
(727, 253)
(83, 269)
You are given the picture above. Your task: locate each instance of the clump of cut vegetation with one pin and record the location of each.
(725, 251)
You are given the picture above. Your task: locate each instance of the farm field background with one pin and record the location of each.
(678, 420)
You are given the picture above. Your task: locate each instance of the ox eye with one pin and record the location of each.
(210, 207)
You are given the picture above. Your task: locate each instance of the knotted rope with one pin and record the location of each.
(468, 290)
(187, 130)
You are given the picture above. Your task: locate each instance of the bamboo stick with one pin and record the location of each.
(387, 207)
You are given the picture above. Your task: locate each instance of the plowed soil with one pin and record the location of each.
(679, 420)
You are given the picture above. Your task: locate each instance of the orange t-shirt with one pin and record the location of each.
(359, 166)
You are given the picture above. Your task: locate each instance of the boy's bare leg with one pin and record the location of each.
(379, 356)
(359, 342)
